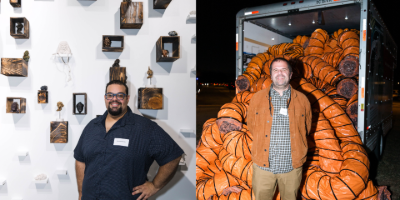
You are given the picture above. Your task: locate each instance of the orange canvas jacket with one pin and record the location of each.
(259, 122)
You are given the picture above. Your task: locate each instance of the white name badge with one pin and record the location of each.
(121, 142)
(283, 111)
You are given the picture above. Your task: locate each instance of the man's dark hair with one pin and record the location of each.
(280, 59)
(118, 82)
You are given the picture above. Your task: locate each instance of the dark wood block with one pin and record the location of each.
(15, 3)
(74, 101)
(118, 73)
(150, 98)
(113, 38)
(161, 4)
(14, 67)
(59, 132)
(42, 96)
(13, 21)
(21, 107)
(175, 48)
(131, 15)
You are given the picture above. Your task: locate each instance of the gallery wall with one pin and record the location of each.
(82, 24)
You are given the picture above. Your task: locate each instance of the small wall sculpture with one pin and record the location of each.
(117, 72)
(16, 105)
(59, 132)
(150, 98)
(79, 108)
(131, 15)
(19, 27)
(42, 95)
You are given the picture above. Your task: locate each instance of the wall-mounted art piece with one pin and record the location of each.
(16, 105)
(64, 53)
(131, 15)
(15, 3)
(43, 95)
(79, 101)
(113, 43)
(167, 48)
(59, 132)
(161, 4)
(192, 15)
(15, 66)
(117, 72)
(19, 27)
(41, 179)
(150, 98)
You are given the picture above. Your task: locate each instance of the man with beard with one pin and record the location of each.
(279, 117)
(116, 150)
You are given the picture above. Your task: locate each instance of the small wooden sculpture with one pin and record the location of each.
(79, 107)
(116, 63)
(107, 42)
(172, 33)
(19, 27)
(150, 73)
(14, 107)
(26, 56)
(60, 105)
(165, 53)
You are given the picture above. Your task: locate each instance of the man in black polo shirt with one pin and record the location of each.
(116, 150)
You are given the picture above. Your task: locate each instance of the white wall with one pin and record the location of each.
(263, 35)
(81, 24)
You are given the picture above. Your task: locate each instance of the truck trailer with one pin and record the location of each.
(258, 28)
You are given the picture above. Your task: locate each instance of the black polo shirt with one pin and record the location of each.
(119, 160)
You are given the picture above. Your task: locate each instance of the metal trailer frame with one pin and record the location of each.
(369, 137)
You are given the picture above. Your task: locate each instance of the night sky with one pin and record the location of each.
(216, 35)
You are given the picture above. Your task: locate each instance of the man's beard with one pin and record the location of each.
(114, 112)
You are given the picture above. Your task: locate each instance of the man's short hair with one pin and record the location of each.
(280, 59)
(118, 82)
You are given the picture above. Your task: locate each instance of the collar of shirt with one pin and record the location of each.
(286, 93)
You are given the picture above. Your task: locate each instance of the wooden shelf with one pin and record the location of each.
(59, 132)
(113, 38)
(150, 98)
(118, 73)
(74, 102)
(15, 3)
(14, 67)
(175, 48)
(43, 96)
(135, 20)
(161, 4)
(21, 106)
(13, 21)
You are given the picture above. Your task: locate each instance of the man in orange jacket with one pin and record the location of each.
(279, 117)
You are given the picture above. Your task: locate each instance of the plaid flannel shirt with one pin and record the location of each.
(280, 156)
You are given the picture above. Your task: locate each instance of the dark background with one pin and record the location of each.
(216, 35)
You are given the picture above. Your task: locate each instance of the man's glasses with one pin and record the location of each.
(120, 96)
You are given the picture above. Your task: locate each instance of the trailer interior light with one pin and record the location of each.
(273, 38)
(313, 21)
(293, 2)
(290, 24)
(346, 18)
(284, 4)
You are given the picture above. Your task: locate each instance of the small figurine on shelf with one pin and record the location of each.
(107, 42)
(26, 56)
(14, 107)
(172, 33)
(129, 1)
(149, 74)
(60, 105)
(79, 107)
(44, 88)
(19, 27)
(116, 63)
(165, 53)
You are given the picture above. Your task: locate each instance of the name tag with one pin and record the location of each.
(283, 111)
(121, 142)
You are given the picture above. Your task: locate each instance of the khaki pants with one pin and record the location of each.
(264, 184)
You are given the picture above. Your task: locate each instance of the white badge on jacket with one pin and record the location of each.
(283, 111)
(121, 142)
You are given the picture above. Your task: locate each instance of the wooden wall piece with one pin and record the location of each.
(150, 98)
(14, 67)
(161, 4)
(118, 73)
(59, 132)
(42, 96)
(74, 112)
(22, 105)
(131, 15)
(13, 21)
(175, 48)
(113, 38)
(15, 3)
